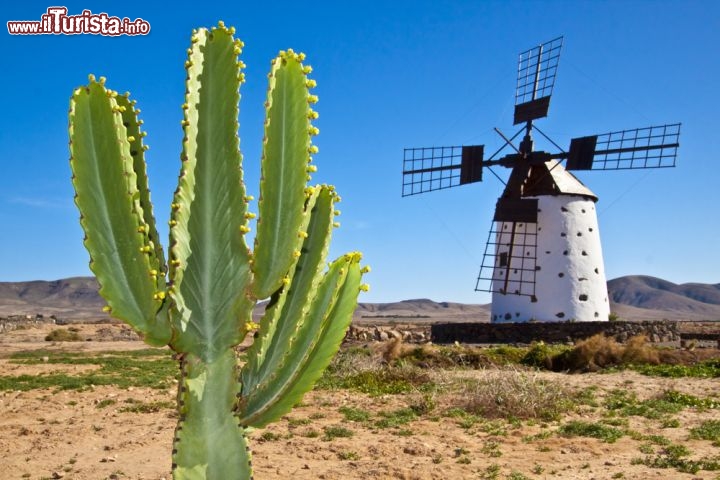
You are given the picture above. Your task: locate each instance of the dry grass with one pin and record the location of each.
(433, 356)
(590, 355)
(512, 393)
(366, 370)
(392, 350)
(599, 351)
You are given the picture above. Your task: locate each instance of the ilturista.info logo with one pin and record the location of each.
(56, 21)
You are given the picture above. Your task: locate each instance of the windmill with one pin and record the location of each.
(543, 259)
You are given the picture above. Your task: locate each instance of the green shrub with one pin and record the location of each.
(268, 436)
(335, 431)
(674, 456)
(153, 368)
(105, 403)
(395, 418)
(354, 414)
(705, 369)
(135, 406)
(708, 430)
(348, 456)
(602, 432)
(63, 335)
(540, 355)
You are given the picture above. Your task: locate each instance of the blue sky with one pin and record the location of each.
(390, 75)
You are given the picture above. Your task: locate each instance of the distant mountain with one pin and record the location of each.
(691, 300)
(650, 292)
(75, 297)
(633, 297)
(422, 309)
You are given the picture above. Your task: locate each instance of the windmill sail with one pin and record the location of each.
(537, 69)
(649, 147)
(435, 168)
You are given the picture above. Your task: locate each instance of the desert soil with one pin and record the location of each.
(63, 434)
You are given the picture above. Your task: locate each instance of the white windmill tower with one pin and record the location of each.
(543, 260)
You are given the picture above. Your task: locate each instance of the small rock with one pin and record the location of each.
(58, 475)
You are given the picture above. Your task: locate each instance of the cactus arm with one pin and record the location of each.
(122, 255)
(137, 150)
(284, 170)
(275, 336)
(209, 444)
(209, 260)
(316, 341)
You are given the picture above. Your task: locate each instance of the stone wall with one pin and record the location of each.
(408, 334)
(14, 322)
(523, 333)
(556, 332)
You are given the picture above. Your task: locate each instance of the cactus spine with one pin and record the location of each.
(200, 301)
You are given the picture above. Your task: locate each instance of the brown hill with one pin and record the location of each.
(642, 294)
(75, 297)
(632, 298)
(423, 309)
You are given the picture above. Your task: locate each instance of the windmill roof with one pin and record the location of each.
(551, 178)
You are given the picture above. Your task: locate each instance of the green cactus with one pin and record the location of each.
(200, 303)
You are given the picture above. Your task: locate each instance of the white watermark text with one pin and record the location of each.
(56, 21)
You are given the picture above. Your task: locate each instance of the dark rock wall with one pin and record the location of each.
(559, 332)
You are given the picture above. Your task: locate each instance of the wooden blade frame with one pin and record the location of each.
(649, 147)
(537, 69)
(436, 168)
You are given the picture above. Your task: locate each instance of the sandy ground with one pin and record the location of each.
(46, 434)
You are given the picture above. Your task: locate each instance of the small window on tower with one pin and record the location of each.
(503, 259)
